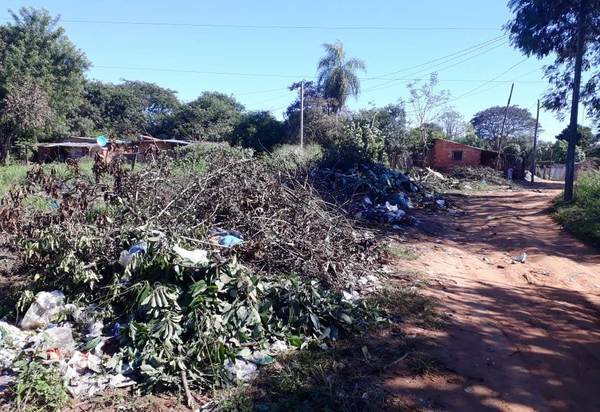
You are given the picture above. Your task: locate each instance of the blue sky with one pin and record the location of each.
(279, 56)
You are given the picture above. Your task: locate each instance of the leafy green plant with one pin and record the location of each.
(39, 387)
(582, 216)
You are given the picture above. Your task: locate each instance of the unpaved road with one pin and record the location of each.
(520, 336)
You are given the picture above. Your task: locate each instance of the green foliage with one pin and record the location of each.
(39, 387)
(488, 125)
(42, 71)
(126, 109)
(542, 28)
(358, 143)
(586, 140)
(581, 217)
(557, 152)
(337, 75)
(259, 131)
(211, 117)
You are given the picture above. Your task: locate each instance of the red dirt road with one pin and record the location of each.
(520, 336)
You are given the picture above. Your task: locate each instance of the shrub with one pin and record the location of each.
(582, 216)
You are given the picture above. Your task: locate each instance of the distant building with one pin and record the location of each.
(446, 154)
(78, 147)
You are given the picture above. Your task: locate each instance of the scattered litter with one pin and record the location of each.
(522, 258)
(278, 347)
(127, 255)
(60, 338)
(102, 140)
(196, 256)
(441, 203)
(41, 312)
(230, 241)
(240, 370)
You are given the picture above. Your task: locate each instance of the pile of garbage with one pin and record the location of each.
(374, 192)
(458, 178)
(86, 369)
(188, 273)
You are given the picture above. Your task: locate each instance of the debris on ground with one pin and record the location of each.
(375, 193)
(170, 269)
(522, 258)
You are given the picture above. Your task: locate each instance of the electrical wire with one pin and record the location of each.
(271, 26)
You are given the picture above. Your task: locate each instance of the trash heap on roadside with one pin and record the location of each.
(168, 277)
(376, 193)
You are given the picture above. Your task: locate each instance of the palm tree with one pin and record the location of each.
(337, 76)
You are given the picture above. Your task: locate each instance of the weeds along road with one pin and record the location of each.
(519, 336)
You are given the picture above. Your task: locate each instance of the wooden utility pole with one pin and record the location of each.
(499, 146)
(535, 135)
(573, 136)
(302, 115)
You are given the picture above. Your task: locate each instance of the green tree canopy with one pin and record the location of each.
(259, 131)
(35, 54)
(543, 28)
(586, 139)
(488, 125)
(211, 117)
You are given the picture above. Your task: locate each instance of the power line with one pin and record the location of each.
(459, 52)
(383, 85)
(275, 75)
(270, 26)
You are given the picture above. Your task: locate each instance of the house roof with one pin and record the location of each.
(466, 145)
(69, 144)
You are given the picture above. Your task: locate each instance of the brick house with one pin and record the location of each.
(446, 154)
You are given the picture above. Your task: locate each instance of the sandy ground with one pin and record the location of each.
(520, 336)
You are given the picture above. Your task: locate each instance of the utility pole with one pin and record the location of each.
(535, 135)
(573, 136)
(302, 115)
(499, 148)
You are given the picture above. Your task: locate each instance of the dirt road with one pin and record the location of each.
(520, 336)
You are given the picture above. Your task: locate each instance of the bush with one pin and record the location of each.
(39, 388)
(582, 216)
(358, 144)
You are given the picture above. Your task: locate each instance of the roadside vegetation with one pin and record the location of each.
(582, 216)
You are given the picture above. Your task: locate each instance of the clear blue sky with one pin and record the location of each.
(292, 54)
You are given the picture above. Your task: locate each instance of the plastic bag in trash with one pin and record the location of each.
(240, 370)
(102, 140)
(45, 307)
(55, 338)
(230, 241)
(127, 255)
(196, 256)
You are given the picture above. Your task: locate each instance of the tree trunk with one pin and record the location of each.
(570, 163)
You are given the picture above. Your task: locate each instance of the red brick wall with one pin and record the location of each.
(440, 156)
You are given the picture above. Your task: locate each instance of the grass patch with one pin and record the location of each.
(11, 175)
(409, 304)
(582, 216)
(315, 380)
(402, 252)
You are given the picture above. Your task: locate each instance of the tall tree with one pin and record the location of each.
(36, 55)
(586, 139)
(453, 123)
(320, 123)
(155, 102)
(427, 104)
(570, 30)
(391, 121)
(488, 125)
(337, 75)
(211, 117)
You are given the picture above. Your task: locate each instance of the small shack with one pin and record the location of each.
(446, 154)
(61, 151)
